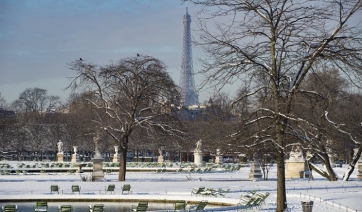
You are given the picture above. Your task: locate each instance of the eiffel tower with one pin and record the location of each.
(187, 82)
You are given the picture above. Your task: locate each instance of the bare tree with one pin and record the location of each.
(2, 101)
(37, 100)
(31, 107)
(325, 138)
(214, 122)
(283, 41)
(328, 87)
(79, 121)
(349, 124)
(134, 92)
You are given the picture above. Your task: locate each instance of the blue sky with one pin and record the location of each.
(38, 38)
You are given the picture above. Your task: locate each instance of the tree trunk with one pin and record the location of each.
(122, 163)
(323, 173)
(281, 195)
(352, 165)
(281, 188)
(331, 174)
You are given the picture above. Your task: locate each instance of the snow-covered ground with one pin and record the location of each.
(327, 196)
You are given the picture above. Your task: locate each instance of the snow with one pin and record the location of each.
(153, 186)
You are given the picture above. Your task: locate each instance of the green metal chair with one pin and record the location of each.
(96, 208)
(41, 206)
(65, 208)
(75, 188)
(198, 191)
(126, 188)
(54, 188)
(141, 207)
(200, 207)
(110, 188)
(10, 208)
(180, 205)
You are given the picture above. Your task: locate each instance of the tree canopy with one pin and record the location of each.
(274, 46)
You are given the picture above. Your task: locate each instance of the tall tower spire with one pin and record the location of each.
(187, 82)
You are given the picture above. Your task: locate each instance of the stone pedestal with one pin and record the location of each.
(294, 168)
(60, 157)
(197, 158)
(160, 159)
(218, 159)
(116, 158)
(98, 174)
(75, 156)
(255, 171)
